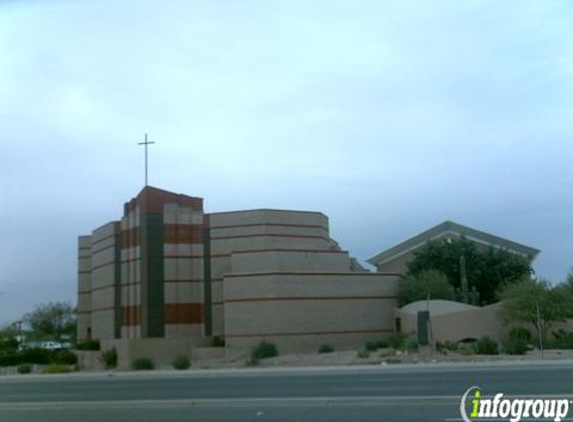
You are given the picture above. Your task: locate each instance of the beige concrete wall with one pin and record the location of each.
(300, 311)
(130, 276)
(161, 350)
(103, 324)
(228, 246)
(102, 281)
(183, 330)
(89, 360)
(264, 229)
(218, 319)
(183, 268)
(177, 214)
(235, 218)
(84, 321)
(290, 261)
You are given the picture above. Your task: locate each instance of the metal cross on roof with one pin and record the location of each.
(145, 143)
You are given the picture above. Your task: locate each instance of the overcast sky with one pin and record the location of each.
(388, 116)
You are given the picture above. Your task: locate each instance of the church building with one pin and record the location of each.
(168, 277)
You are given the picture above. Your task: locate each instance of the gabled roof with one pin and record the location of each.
(449, 227)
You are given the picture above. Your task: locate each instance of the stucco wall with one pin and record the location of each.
(458, 325)
(302, 311)
(161, 351)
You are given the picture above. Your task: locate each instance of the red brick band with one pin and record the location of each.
(302, 226)
(349, 274)
(183, 233)
(312, 333)
(301, 298)
(293, 236)
(183, 313)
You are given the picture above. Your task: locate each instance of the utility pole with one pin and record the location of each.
(464, 280)
(539, 327)
(145, 143)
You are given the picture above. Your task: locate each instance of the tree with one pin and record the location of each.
(536, 302)
(52, 320)
(487, 268)
(429, 284)
(8, 338)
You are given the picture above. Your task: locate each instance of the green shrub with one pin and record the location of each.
(561, 340)
(363, 354)
(9, 359)
(468, 352)
(37, 356)
(411, 344)
(397, 340)
(325, 348)
(109, 358)
(218, 342)
(372, 346)
(487, 346)
(56, 369)
(93, 345)
(514, 345)
(264, 350)
(142, 364)
(65, 357)
(520, 333)
(446, 346)
(24, 368)
(181, 362)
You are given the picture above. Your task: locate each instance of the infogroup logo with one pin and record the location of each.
(513, 409)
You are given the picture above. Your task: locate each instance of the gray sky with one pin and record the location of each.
(388, 116)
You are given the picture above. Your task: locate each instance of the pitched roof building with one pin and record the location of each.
(396, 258)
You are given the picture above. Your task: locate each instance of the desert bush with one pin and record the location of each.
(411, 344)
(397, 340)
(218, 342)
(65, 357)
(520, 333)
(264, 350)
(514, 345)
(363, 354)
(486, 346)
(325, 348)
(181, 362)
(142, 364)
(561, 340)
(446, 346)
(372, 346)
(109, 358)
(57, 369)
(24, 368)
(466, 352)
(92, 345)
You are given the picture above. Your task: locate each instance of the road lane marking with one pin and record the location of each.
(283, 401)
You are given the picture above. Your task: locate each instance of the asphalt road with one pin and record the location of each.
(361, 394)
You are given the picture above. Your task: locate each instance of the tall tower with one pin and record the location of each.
(162, 265)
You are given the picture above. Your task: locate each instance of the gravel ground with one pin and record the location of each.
(379, 357)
